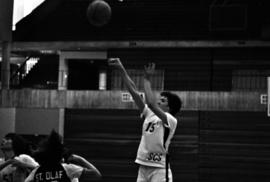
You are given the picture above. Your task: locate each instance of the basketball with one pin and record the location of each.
(98, 13)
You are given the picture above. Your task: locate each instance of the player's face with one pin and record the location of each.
(163, 103)
(6, 144)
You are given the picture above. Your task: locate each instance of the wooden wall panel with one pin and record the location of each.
(192, 101)
(252, 79)
(234, 146)
(185, 147)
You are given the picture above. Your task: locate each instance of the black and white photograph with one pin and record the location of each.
(134, 90)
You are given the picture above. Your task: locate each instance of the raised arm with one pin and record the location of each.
(150, 97)
(22, 164)
(128, 82)
(89, 169)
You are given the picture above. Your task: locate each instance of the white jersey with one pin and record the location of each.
(152, 149)
(16, 174)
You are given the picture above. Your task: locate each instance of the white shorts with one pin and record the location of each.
(153, 174)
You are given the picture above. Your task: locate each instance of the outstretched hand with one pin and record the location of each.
(149, 69)
(116, 62)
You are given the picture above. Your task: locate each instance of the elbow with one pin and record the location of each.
(151, 102)
(98, 176)
(151, 105)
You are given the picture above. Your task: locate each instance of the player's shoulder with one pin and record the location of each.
(73, 170)
(23, 157)
(69, 166)
(146, 112)
(27, 159)
(171, 118)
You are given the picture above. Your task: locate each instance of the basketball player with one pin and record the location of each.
(17, 162)
(158, 127)
(52, 169)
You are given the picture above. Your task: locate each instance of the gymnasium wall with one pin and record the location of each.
(234, 146)
(36, 121)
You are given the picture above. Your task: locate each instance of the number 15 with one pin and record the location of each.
(150, 127)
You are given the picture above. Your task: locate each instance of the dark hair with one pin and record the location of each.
(174, 102)
(19, 144)
(50, 150)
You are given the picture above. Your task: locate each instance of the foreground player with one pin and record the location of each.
(17, 162)
(158, 127)
(52, 169)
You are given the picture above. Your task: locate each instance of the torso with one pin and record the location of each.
(153, 146)
(51, 174)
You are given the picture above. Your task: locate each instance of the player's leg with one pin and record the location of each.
(141, 174)
(159, 175)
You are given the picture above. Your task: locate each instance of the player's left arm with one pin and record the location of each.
(24, 161)
(150, 97)
(30, 177)
(81, 161)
